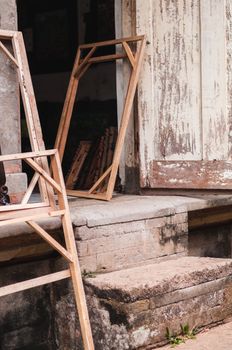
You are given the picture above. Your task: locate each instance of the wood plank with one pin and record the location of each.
(84, 61)
(43, 173)
(82, 72)
(87, 179)
(107, 58)
(12, 219)
(86, 194)
(25, 253)
(112, 141)
(209, 216)
(170, 88)
(125, 117)
(8, 54)
(19, 207)
(99, 181)
(197, 174)
(50, 240)
(18, 156)
(35, 282)
(6, 34)
(103, 165)
(24, 247)
(30, 188)
(79, 292)
(112, 42)
(31, 112)
(77, 164)
(129, 53)
(97, 161)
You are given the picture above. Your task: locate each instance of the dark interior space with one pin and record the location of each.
(52, 31)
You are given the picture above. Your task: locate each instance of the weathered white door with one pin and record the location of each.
(185, 94)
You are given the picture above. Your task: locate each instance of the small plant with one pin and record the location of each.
(88, 274)
(186, 333)
(173, 339)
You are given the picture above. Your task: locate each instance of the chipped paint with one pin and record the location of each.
(185, 93)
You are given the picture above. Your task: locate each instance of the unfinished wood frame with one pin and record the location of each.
(80, 67)
(51, 187)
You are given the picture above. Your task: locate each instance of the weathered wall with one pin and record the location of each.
(10, 134)
(132, 242)
(9, 92)
(25, 320)
(212, 241)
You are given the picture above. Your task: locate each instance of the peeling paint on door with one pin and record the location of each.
(184, 94)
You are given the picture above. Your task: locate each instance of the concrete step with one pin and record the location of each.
(131, 309)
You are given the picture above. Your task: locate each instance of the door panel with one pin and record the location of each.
(185, 94)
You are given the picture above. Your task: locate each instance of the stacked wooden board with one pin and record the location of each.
(91, 160)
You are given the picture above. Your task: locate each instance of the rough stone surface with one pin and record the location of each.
(125, 208)
(124, 319)
(25, 320)
(116, 246)
(144, 282)
(131, 309)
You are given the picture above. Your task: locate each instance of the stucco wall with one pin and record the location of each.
(10, 134)
(9, 93)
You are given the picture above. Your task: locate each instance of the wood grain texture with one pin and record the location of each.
(229, 72)
(35, 282)
(191, 174)
(185, 95)
(213, 67)
(169, 93)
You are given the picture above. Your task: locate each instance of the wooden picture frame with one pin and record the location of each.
(81, 65)
(52, 189)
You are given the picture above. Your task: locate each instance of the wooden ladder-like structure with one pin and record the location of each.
(53, 200)
(132, 49)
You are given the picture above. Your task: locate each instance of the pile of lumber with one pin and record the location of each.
(91, 160)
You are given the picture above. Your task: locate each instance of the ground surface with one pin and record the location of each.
(218, 338)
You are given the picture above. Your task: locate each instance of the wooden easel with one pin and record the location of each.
(49, 185)
(81, 65)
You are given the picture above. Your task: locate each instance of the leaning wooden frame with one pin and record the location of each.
(53, 201)
(81, 65)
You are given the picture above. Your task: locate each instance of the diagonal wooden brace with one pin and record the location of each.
(50, 240)
(43, 173)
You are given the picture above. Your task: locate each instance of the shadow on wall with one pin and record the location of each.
(213, 241)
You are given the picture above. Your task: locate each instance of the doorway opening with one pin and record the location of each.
(52, 31)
